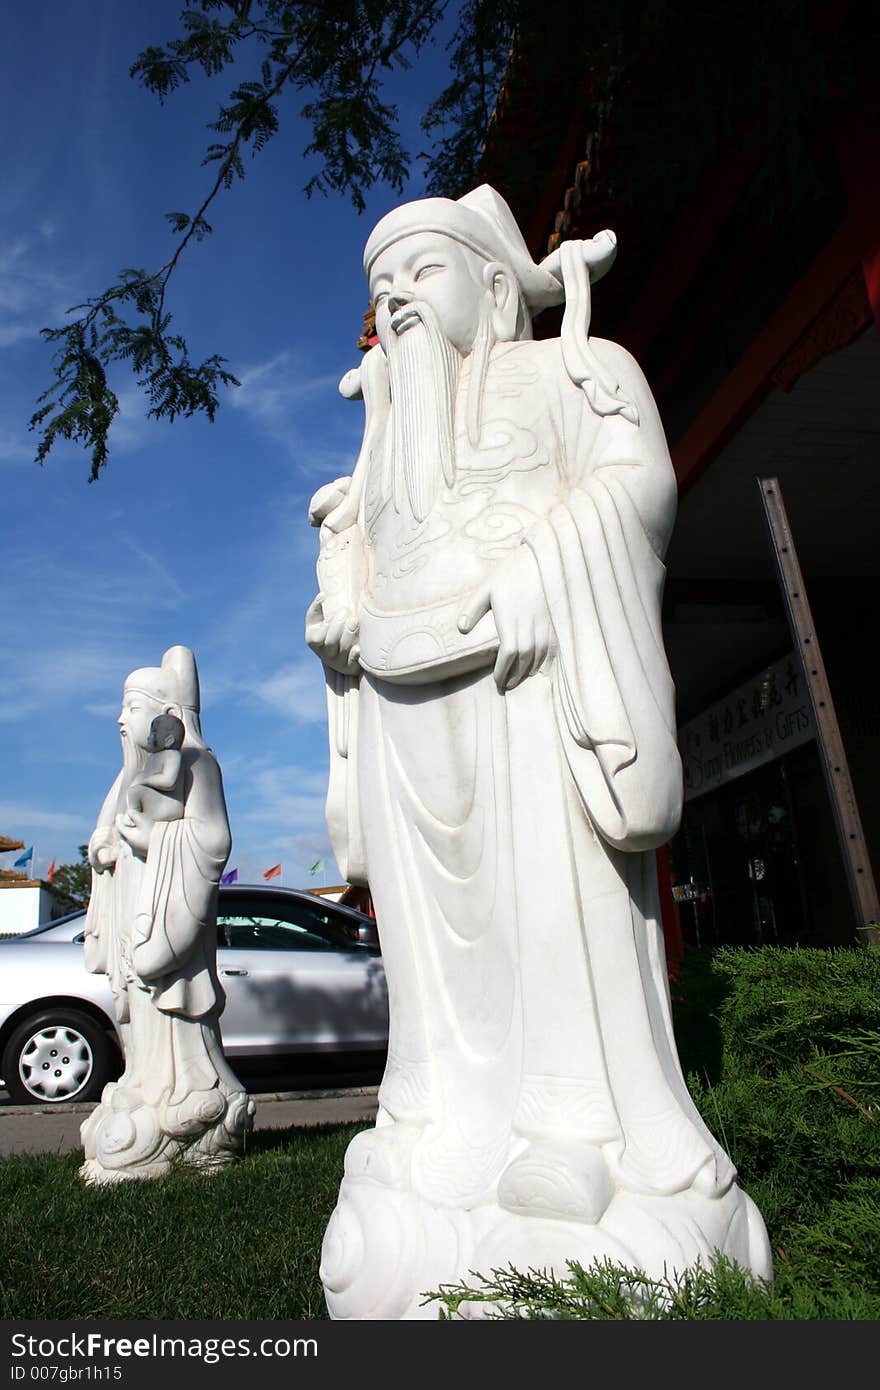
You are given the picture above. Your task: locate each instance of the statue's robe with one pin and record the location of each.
(151, 929)
(508, 838)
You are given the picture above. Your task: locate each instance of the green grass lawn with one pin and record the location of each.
(782, 1053)
(242, 1243)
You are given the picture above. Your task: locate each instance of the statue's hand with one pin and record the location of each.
(335, 638)
(102, 851)
(515, 596)
(135, 830)
(104, 859)
(327, 498)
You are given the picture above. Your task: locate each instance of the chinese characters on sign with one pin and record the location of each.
(759, 721)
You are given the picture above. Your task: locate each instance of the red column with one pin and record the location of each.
(871, 272)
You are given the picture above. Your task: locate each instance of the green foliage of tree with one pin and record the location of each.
(677, 77)
(72, 883)
(336, 52)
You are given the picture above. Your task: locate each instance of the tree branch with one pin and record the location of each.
(333, 47)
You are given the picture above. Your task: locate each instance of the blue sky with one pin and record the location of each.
(196, 533)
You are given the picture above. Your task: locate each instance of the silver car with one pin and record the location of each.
(302, 976)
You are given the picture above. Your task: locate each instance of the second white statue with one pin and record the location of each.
(503, 766)
(157, 853)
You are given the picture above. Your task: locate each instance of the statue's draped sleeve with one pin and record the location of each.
(343, 691)
(599, 552)
(343, 801)
(98, 946)
(176, 909)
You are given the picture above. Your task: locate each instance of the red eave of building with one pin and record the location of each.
(855, 245)
(689, 244)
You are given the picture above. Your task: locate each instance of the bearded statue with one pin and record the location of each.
(157, 853)
(503, 767)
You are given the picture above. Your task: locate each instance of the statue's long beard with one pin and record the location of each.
(133, 762)
(424, 368)
(133, 758)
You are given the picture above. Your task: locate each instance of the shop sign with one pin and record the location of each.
(686, 892)
(759, 721)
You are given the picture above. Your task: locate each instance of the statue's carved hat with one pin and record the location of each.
(175, 682)
(483, 222)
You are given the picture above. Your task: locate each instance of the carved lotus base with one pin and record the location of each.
(127, 1137)
(387, 1246)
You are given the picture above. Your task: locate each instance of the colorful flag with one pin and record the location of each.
(25, 860)
(231, 877)
(50, 872)
(273, 872)
(317, 867)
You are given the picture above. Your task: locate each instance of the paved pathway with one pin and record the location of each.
(31, 1129)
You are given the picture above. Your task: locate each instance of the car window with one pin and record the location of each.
(252, 933)
(325, 921)
(339, 930)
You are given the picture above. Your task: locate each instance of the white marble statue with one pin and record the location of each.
(503, 766)
(157, 853)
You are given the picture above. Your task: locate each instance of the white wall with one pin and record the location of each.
(21, 909)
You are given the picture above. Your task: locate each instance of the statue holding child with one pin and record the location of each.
(157, 854)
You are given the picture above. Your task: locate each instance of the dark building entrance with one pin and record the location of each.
(756, 862)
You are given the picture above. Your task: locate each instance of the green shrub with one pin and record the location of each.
(781, 1049)
(610, 1293)
(793, 1090)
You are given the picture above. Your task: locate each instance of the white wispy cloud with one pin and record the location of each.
(277, 816)
(131, 428)
(284, 400)
(14, 448)
(33, 293)
(273, 391)
(290, 798)
(71, 628)
(297, 691)
(26, 819)
(35, 677)
(173, 594)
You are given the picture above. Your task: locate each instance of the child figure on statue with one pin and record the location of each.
(157, 791)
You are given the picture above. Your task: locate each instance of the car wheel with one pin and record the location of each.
(57, 1055)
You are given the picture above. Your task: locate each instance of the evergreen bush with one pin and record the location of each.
(781, 1050)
